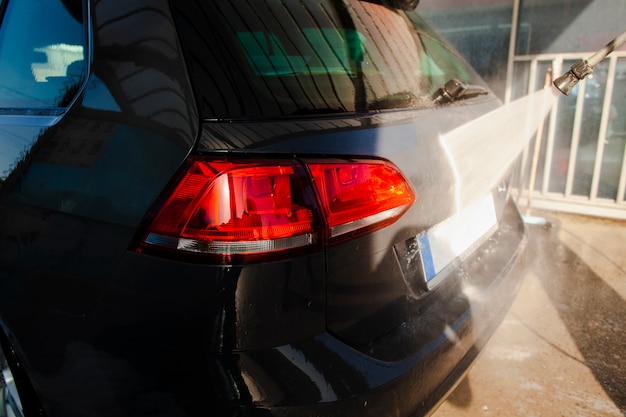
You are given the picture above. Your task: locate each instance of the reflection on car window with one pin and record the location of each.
(259, 59)
(330, 52)
(42, 53)
(438, 62)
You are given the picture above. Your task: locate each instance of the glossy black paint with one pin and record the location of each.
(95, 164)
(104, 330)
(366, 293)
(183, 334)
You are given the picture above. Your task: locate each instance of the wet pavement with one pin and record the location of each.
(561, 351)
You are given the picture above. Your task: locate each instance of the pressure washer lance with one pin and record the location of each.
(566, 82)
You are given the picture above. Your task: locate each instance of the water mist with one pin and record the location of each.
(482, 151)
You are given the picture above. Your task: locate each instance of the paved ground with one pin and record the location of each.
(561, 351)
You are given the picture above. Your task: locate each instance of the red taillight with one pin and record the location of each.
(248, 209)
(235, 208)
(360, 195)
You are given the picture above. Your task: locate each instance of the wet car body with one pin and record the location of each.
(101, 314)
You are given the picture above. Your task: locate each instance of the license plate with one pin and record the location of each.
(452, 238)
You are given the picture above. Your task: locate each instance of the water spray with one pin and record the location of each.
(506, 132)
(482, 151)
(566, 82)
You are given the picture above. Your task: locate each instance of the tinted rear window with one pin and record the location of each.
(263, 58)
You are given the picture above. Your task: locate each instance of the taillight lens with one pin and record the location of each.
(231, 208)
(247, 210)
(360, 195)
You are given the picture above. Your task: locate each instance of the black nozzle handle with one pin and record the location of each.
(566, 82)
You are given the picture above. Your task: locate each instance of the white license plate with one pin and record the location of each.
(450, 239)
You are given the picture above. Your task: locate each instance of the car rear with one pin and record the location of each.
(248, 209)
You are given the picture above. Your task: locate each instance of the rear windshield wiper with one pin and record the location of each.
(455, 90)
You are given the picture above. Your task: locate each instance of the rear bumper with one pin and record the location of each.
(409, 371)
(126, 360)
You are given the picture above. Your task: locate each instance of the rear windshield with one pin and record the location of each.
(269, 58)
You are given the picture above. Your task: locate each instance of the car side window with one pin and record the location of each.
(42, 53)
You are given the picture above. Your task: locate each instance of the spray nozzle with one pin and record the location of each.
(566, 82)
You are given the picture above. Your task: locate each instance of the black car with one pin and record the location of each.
(240, 208)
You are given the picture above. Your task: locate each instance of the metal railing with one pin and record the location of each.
(582, 159)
